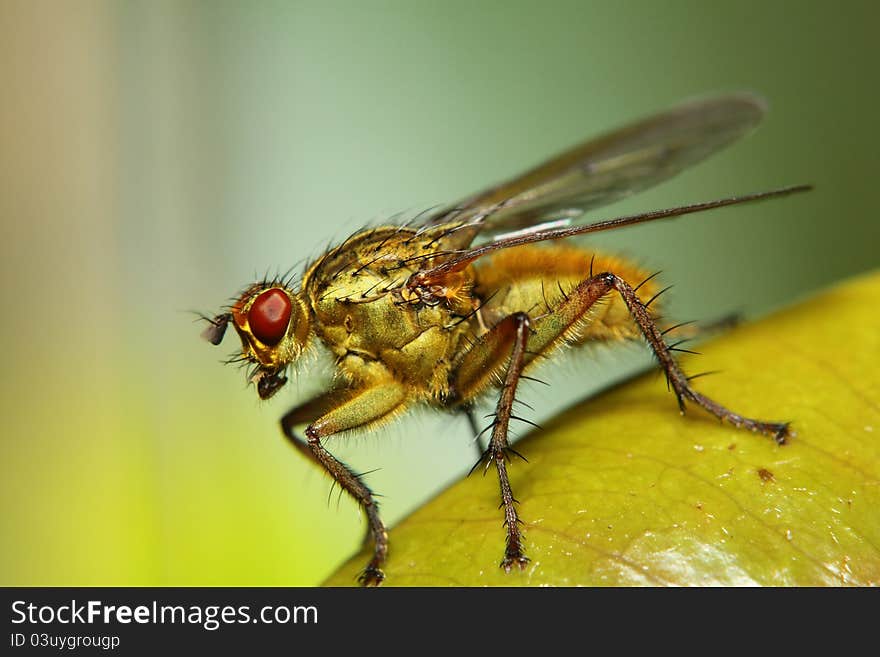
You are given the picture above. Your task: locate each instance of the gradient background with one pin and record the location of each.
(155, 155)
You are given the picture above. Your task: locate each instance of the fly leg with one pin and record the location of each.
(337, 411)
(505, 342)
(516, 341)
(593, 288)
(474, 424)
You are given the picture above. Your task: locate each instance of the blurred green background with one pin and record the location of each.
(154, 156)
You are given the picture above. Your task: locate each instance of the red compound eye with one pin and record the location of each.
(269, 316)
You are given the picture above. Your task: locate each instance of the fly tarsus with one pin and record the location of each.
(514, 558)
(780, 432)
(371, 576)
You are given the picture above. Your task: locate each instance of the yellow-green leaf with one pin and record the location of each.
(622, 490)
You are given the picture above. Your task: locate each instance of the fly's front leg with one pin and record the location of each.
(590, 290)
(505, 342)
(339, 411)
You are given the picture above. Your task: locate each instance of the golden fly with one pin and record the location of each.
(461, 303)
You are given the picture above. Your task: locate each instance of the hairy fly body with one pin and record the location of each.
(460, 305)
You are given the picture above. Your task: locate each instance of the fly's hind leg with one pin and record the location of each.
(517, 340)
(332, 413)
(593, 288)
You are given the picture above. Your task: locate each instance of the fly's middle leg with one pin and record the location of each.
(505, 342)
(474, 425)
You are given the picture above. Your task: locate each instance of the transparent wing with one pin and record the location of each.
(610, 167)
(455, 261)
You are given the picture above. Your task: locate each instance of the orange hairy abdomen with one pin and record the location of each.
(536, 280)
